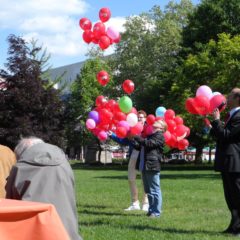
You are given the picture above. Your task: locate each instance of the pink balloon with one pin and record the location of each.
(167, 136)
(112, 33)
(204, 91)
(124, 124)
(90, 124)
(102, 135)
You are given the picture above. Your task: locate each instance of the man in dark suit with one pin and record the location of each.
(227, 157)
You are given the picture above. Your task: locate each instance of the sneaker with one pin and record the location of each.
(134, 206)
(145, 207)
(152, 215)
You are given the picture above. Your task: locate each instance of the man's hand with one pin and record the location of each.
(216, 114)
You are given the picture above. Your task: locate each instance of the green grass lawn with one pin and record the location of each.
(193, 205)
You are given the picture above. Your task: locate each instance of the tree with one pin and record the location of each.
(218, 66)
(209, 19)
(26, 107)
(148, 53)
(84, 91)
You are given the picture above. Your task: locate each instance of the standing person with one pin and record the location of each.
(151, 150)
(7, 160)
(43, 174)
(133, 165)
(227, 156)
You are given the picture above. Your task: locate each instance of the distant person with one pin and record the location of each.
(43, 174)
(7, 160)
(151, 150)
(227, 156)
(133, 166)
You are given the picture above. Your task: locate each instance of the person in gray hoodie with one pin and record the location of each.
(43, 174)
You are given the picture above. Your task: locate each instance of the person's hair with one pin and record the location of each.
(236, 94)
(165, 126)
(25, 143)
(142, 112)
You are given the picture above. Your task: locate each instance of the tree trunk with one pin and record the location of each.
(210, 155)
(198, 155)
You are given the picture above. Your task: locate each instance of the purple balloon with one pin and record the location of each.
(94, 115)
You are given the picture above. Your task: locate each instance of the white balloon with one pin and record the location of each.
(132, 119)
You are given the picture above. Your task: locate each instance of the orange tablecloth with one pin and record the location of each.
(22, 220)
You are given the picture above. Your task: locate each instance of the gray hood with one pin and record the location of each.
(43, 154)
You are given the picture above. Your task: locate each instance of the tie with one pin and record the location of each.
(227, 117)
(141, 164)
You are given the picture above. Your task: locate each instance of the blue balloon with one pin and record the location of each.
(160, 111)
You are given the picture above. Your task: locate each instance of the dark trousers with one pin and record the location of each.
(231, 187)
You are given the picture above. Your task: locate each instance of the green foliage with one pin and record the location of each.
(209, 19)
(26, 107)
(148, 53)
(84, 91)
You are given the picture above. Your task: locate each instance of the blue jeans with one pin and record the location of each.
(151, 183)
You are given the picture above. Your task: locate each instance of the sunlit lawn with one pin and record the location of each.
(193, 205)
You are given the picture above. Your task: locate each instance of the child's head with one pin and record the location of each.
(160, 125)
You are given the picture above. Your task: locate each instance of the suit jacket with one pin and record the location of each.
(43, 174)
(227, 156)
(7, 160)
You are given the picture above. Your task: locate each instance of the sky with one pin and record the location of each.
(55, 24)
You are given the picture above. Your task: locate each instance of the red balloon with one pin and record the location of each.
(190, 106)
(120, 116)
(134, 110)
(103, 77)
(121, 132)
(183, 144)
(180, 130)
(216, 101)
(104, 42)
(178, 120)
(128, 86)
(95, 40)
(99, 29)
(104, 14)
(150, 119)
(100, 101)
(188, 131)
(110, 104)
(202, 105)
(171, 125)
(137, 129)
(148, 130)
(169, 114)
(172, 142)
(85, 24)
(87, 36)
(105, 115)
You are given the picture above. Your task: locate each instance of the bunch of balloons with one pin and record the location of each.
(176, 132)
(99, 34)
(109, 115)
(205, 101)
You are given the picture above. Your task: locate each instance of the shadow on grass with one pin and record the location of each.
(170, 176)
(115, 166)
(103, 222)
